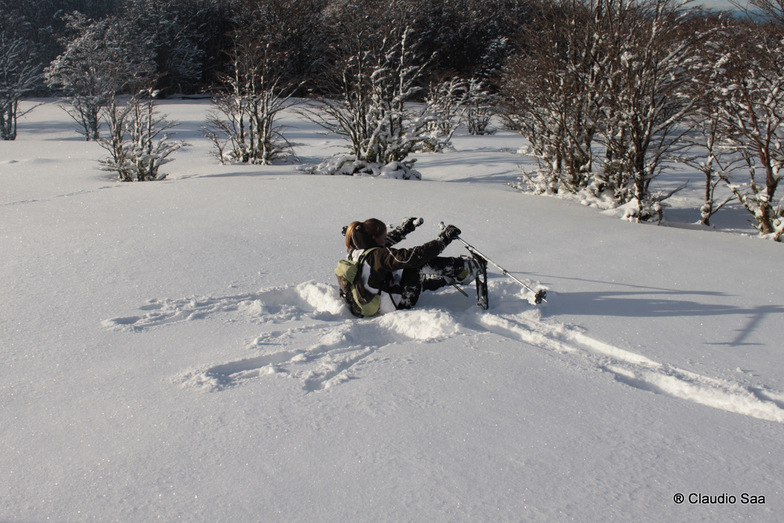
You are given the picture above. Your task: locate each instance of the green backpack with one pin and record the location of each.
(360, 301)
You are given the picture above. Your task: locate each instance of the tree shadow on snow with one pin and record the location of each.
(662, 303)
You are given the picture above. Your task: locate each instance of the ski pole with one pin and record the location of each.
(539, 296)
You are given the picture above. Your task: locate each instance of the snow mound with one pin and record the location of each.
(322, 298)
(422, 325)
(348, 165)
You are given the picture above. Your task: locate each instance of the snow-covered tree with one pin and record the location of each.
(99, 61)
(707, 154)
(272, 46)
(607, 73)
(294, 30)
(469, 38)
(19, 74)
(552, 93)
(744, 78)
(40, 23)
(380, 72)
(706, 148)
(480, 107)
(770, 10)
(446, 101)
(643, 106)
(242, 126)
(173, 32)
(139, 140)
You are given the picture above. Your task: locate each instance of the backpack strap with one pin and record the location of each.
(358, 279)
(365, 254)
(366, 300)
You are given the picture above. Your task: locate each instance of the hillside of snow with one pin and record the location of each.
(177, 350)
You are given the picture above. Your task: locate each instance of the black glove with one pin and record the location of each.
(449, 233)
(409, 224)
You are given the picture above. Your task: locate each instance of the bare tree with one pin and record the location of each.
(644, 109)
(380, 73)
(19, 74)
(607, 73)
(552, 91)
(99, 61)
(139, 138)
(744, 75)
(242, 125)
(446, 100)
(708, 155)
(771, 10)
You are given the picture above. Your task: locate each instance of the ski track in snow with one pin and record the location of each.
(323, 345)
(640, 372)
(82, 192)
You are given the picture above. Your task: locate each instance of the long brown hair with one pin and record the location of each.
(360, 235)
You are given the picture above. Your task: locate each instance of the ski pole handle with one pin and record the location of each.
(541, 295)
(442, 226)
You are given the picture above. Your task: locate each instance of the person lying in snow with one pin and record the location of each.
(398, 276)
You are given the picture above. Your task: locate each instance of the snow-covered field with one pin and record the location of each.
(177, 350)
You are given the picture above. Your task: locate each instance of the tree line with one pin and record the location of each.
(190, 41)
(611, 93)
(608, 93)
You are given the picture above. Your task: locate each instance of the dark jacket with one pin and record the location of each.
(384, 261)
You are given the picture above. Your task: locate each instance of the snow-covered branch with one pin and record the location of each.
(378, 80)
(19, 74)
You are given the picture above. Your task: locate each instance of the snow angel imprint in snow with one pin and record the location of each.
(379, 278)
